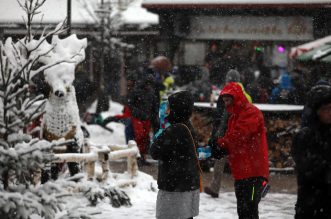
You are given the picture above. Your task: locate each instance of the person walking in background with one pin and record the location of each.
(142, 106)
(126, 116)
(160, 68)
(311, 151)
(213, 61)
(219, 127)
(245, 141)
(279, 94)
(178, 169)
(168, 83)
(297, 95)
(261, 87)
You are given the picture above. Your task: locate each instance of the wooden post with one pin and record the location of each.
(89, 166)
(132, 161)
(104, 165)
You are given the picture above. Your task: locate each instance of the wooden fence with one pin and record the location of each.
(93, 153)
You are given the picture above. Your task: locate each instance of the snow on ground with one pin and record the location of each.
(143, 195)
(277, 206)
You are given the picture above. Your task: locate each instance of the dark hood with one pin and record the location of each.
(181, 107)
(317, 96)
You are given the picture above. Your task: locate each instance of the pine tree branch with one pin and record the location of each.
(15, 124)
(36, 113)
(37, 98)
(16, 55)
(51, 65)
(19, 91)
(4, 144)
(57, 30)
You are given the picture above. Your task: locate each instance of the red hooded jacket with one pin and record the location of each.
(245, 138)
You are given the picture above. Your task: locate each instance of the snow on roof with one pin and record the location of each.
(53, 11)
(298, 50)
(152, 3)
(82, 12)
(135, 14)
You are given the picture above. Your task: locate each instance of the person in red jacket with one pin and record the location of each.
(246, 143)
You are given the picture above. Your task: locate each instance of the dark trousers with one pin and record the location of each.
(248, 194)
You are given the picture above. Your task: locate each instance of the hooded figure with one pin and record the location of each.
(246, 143)
(178, 169)
(220, 120)
(245, 138)
(311, 151)
(234, 76)
(307, 112)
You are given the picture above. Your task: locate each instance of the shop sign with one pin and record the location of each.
(251, 28)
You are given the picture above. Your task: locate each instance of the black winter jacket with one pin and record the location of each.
(178, 164)
(312, 153)
(220, 120)
(142, 103)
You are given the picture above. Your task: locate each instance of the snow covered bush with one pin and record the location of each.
(21, 156)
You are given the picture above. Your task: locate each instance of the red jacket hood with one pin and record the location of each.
(239, 98)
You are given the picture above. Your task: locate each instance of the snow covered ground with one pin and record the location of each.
(143, 195)
(280, 206)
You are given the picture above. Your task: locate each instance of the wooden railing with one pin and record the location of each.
(93, 153)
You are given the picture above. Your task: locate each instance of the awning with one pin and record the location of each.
(326, 59)
(304, 48)
(319, 54)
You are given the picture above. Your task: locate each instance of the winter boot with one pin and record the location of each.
(210, 192)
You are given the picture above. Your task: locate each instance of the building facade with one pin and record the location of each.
(250, 33)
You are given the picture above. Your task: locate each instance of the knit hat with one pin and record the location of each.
(232, 76)
(181, 106)
(319, 95)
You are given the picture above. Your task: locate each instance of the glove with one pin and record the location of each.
(217, 152)
(108, 120)
(212, 142)
(98, 119)
(204, 152)
(89, 118)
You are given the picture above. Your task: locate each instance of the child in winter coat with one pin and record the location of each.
(163, 113)
(311, 150)
(178, 169)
